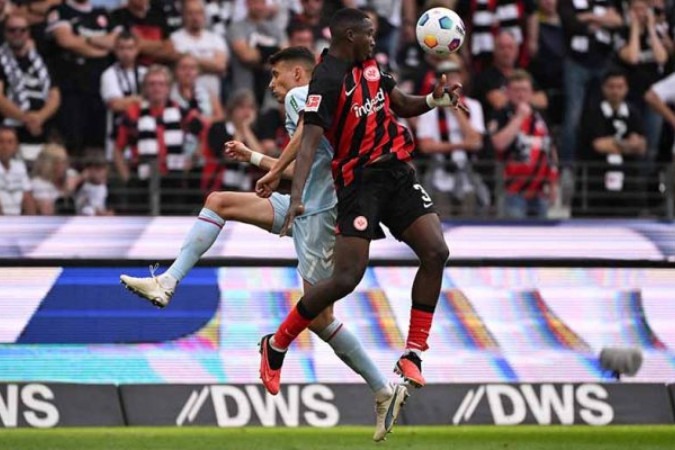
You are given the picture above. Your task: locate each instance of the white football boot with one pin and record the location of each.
(149, 288)
(387, 412)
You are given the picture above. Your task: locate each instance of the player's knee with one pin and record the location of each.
(436, 257)
(346, 281)
(321, 321)
(219, 202)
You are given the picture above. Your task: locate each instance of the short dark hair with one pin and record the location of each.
(614, 73)
(297, 53)
(296, 27)
(126, 35)
(345, 19)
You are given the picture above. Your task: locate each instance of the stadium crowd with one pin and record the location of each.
(104, 103)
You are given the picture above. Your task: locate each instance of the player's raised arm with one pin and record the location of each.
(282, 167)
(405, 105)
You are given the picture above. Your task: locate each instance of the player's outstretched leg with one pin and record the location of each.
(219, 207)
(425, 238)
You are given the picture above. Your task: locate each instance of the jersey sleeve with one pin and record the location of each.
(294, 104)
(322, 100)
(388, 82)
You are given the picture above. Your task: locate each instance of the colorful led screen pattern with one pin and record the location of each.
(492, 324)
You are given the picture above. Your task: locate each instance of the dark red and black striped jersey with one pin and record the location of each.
(351, 103)
(528, 165)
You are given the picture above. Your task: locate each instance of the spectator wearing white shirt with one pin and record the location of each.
(207, 47)
(15, 186)
(660, 96)
(54, 181)
(121, 85)
(451, 139)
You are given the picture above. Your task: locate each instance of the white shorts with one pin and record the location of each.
(313, 237)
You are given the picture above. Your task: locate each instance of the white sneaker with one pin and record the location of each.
(387, 412)
(148, 288)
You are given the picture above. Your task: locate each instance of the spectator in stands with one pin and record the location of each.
(6, 8)
(156, 131)
(312, 15)
(252, 41)
(150, 27)
(92, 194)
(642, 50)
(612, 139)
(665, 22)
(490, 85)
(54, 181)
(219, 14)
(452, 138)
(84, 37)
(209, 49)
(28, 97)
(170, 12)
(487, 19)
(15, 187)
(301, 35)
(546, 43)
(523, 143)
(588, 26)
(190, 95)
(222, 174)
(121, 85)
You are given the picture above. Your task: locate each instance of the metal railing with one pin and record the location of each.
(647, 191)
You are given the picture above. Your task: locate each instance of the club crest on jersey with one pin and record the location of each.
(371, 73)
(361, 223)
(312, 104)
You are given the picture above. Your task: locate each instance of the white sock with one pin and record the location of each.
(201, 237)
(384, 392)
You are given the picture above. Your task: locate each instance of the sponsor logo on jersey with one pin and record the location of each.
(370, 106)
(312, 104)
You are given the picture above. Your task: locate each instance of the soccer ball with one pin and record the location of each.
(440, 31)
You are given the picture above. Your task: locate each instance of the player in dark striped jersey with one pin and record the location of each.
(352, 103)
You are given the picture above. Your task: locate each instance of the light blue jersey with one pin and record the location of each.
(319, 194)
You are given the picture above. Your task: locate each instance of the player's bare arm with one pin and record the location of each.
(405, 105)
(311, 136)
(270, 181)
(237, 151)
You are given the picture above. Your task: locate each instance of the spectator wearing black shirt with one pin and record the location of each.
(547, 51)
(312, 15)
(485, 19)
(644, 55)
(588, 26)
(28, 97)
(150, 26)
(612, 140)
(84, 37)
(490, 86)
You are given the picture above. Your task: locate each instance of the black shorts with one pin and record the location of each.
(385, 192)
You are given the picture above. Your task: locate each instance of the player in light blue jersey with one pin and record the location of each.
(313, 230)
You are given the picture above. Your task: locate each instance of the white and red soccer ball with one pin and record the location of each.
(440, 31)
